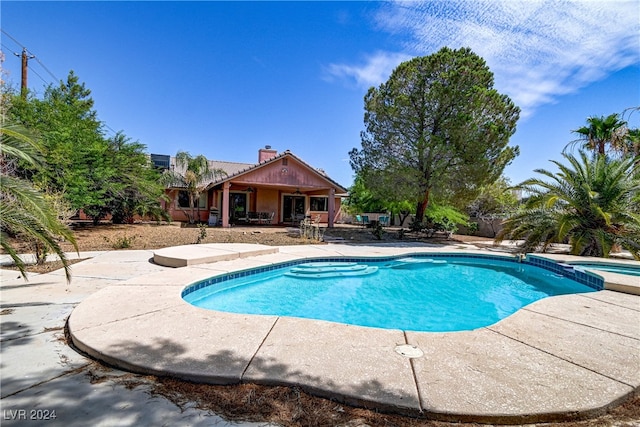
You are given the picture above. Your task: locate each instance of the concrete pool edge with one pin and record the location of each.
(146, 327)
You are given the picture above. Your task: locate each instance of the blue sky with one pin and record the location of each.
(224, 79)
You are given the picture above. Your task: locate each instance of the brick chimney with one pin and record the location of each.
(266, 153)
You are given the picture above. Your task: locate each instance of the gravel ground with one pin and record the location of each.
(154, 236)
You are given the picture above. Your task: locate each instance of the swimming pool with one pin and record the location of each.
(617, 268)
(440, 294)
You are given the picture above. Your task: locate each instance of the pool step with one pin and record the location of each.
(320, 270)
(312, 270)
(417, 263)
(327, 264)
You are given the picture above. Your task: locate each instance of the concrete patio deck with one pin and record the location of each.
(553, 360)
(42, 377)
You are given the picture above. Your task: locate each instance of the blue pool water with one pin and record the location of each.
(450, 294)
(620, 269)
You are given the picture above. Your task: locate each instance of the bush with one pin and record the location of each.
(202, 234)
(377, 230)
(416, 226)
(121, 242)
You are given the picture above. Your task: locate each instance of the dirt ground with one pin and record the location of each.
(155, 236)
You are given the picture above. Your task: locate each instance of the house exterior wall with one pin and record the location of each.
(324, 215)
(261, 200)
(180, 214)
(265, 185)
(267, 200)
(283, 172)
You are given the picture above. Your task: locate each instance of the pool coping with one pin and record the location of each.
(533, 366)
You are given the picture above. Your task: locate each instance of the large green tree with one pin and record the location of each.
(361, 200)
(97, 174)
(24, 211)
(495, 202)
(593, 203)
(135, 188)
(435, 128)
(73, 143)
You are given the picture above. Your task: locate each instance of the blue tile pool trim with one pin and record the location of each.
(584, 277)
(589, 279)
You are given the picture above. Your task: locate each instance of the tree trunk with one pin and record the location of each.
(191, 204)
(422, 206)
(403, 215)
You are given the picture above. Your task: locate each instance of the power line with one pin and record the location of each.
(7, 47)
(36, 73)
(104, 124)
(56, 79)
(16, 41)
(46, 69)
(31, 56)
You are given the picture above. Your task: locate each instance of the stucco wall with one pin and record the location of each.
(267, 200)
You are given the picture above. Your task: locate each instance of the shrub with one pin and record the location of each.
(377, 230)
(202, 234)
(121, 242)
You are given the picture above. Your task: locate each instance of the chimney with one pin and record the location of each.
(266, 153)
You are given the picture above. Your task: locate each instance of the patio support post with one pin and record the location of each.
(331, 207)
(225, 203)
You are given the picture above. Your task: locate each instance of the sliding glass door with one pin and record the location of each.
(293, 209)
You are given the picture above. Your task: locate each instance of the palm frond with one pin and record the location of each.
(23, 210)
(16, 142)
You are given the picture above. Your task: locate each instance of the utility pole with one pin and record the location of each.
(25, 61)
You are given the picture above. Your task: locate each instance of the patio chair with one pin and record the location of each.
(253, 217)
(384, 221)
(365, 220)
(267, 218)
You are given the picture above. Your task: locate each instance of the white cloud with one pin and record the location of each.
(375, 69)
(537, 49)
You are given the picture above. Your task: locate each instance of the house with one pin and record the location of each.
(278, 189)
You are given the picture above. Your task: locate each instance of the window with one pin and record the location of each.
(161, 161)
(319, 204)
(183, 200)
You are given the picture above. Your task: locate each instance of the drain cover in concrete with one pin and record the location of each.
(408, 350)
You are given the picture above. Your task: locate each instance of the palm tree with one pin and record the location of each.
(23, 210)
(593, 203)
(603, 131)
(193, 174)
(633, 142)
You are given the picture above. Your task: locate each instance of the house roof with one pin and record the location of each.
(230, 168)
(233, 170)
